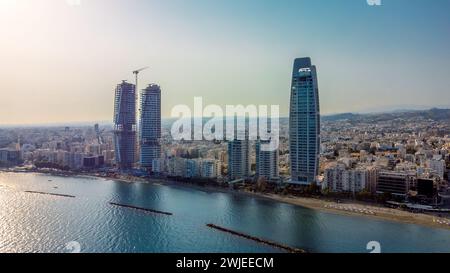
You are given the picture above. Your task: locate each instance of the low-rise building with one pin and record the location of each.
(396, 183)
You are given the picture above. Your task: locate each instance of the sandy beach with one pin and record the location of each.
(363, 210)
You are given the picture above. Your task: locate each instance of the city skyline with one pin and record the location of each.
(232, 127)
(69, 78)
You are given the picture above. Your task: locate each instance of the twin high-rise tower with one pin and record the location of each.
(127, 140)
(125, 125)
(304, 123)
(150, 126)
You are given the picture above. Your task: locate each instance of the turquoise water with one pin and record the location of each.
(45, 223)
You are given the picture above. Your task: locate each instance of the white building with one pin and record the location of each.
(437, 165)
(338, 178)
(238, 159)
(267, 162)
(333, 178)
(210, 168)
(357, 180)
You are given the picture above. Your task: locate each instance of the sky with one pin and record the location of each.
(60, 62)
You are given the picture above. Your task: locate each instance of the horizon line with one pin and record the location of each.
(105, 122)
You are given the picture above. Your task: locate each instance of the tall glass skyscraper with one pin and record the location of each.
(125, 125)
(304, 123)
(150, 126)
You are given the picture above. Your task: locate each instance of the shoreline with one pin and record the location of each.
(353, 209)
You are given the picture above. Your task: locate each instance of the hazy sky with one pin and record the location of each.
(60, 63)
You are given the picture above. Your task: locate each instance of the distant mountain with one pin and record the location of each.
(343, 116)
(432, 114)
(401, 108)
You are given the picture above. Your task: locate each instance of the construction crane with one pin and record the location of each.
(138, 108)
(138, 97)
(136, 73)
